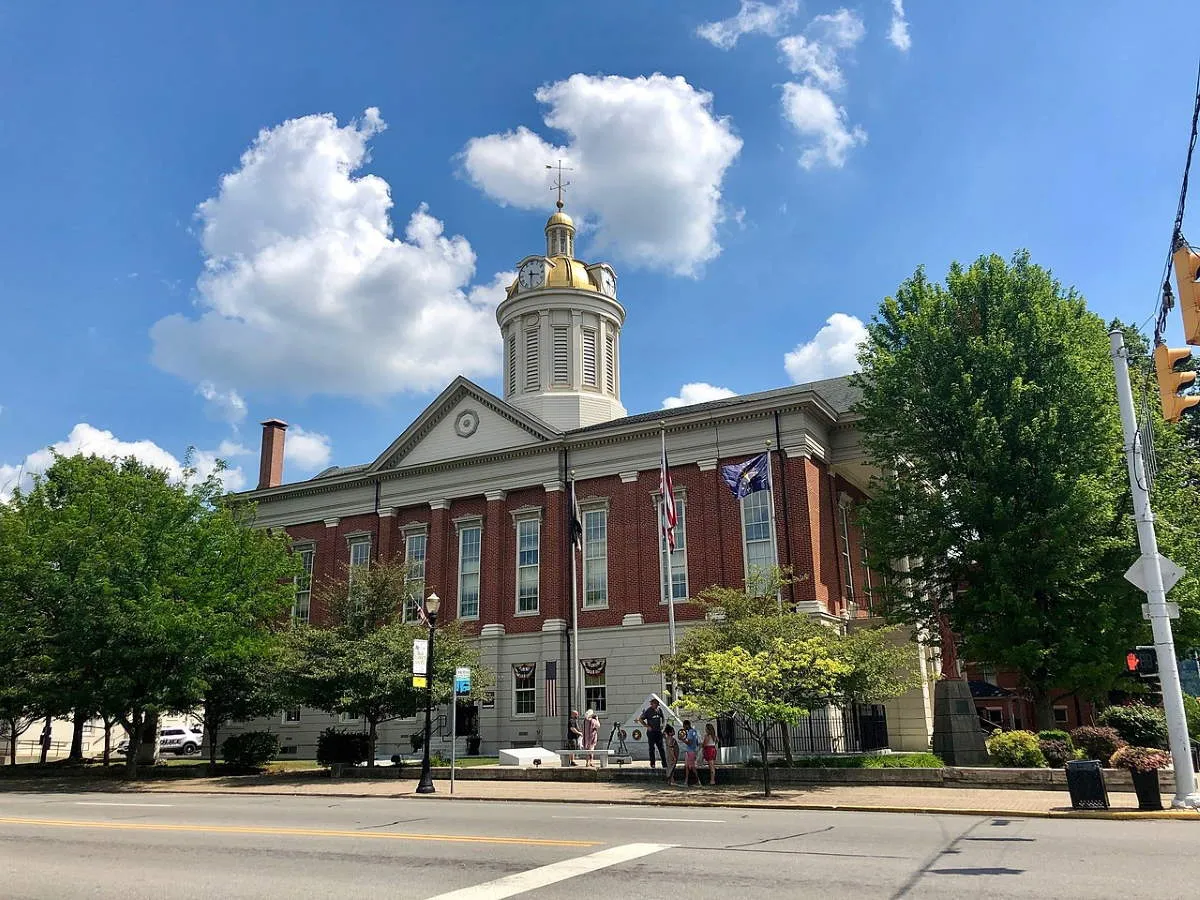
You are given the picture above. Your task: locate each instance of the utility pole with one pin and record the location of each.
(1147, 573)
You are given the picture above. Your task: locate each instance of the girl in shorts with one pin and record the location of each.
(709, 751)
(672, 754)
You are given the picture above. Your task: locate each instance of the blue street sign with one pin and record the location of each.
(462, 681)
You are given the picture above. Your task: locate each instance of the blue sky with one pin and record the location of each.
(749, 180)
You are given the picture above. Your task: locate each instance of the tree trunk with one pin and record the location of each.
(46, 732)
(134, 728)
(762, 744)
(371, 735)
(148, 751)
(77, 723)
(107, 741)
(211, 731)
(786, 734)
(1043, 708)
(13, 736)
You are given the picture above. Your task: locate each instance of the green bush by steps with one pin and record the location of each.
(882, 761)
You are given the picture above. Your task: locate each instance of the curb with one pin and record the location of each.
(1109, 815)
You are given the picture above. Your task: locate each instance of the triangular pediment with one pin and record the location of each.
(464, 420)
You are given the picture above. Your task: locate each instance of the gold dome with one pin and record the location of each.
(560, 218)
(567, 272)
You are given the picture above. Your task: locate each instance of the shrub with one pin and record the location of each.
(1141, 759)
(880, 761)
(903, 761)
(1056, 752)
(1097, 743)
(1137, 724)
(342, 747)
(1016, 749)
(251, 749)
(1055, 734)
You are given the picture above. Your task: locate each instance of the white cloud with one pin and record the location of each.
(814, 115)
(697, 392)
(751, 17)
(227, 406)
(307, 450)
(898, 33)
(650, 157)
(832, 352)
(307, 290)
(814, 54)
(88, 440)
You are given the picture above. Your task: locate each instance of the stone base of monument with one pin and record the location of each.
(529, 757)
(957, 733)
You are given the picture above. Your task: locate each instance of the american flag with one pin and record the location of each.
(667, 488)
(552, 687)
(576, 520)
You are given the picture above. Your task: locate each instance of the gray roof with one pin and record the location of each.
(839, 393)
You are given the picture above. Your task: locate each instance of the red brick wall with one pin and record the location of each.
(714, 544)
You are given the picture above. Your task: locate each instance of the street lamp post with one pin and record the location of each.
(425, 786)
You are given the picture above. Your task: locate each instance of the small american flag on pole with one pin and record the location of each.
(552, 687)
(667, 488)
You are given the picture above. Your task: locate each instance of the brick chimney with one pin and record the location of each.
(270, 466)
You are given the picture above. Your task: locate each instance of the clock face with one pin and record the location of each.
(608, 283)
(532, 274)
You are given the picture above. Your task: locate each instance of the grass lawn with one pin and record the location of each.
(468, 761)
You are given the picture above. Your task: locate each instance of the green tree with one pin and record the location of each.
(990, 400)
(140, 584)
(360, 662)
(784, 663)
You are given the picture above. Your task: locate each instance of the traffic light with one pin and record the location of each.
(1170, 382)
(1143, 662)
(1187, 279)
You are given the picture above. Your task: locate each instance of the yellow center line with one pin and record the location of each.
(297, 832)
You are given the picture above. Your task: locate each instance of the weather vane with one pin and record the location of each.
(559, 184)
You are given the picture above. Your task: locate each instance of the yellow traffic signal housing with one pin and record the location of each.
(1171, 382)
(1187, 279)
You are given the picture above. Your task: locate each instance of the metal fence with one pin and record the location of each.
(829, 730)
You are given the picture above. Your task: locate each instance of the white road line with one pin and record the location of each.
(511, 885)
(97, 803)
(637, 819)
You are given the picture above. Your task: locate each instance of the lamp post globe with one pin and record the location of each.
(425, 785)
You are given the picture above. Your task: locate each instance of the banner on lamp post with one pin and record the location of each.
(420, 662)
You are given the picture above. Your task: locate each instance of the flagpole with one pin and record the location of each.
(576, 667)
(771, 514)
(669, 589)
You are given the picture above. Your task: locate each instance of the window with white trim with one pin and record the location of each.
(562, 358)
(414, 577)
(524, 689)
(679, 580)
(350, 718)
(360, 553)
(291, 716)
(844, 534)
(595, 557)
(758, 547)
(595, 690)
(470, 539)
(303, 601)
(610, 364)
(532, 369)
(529, 540)
(510, 352)
(589, 358)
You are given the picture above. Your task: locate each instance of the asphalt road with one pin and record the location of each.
(126, 846)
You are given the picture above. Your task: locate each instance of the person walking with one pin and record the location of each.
(709, 751)
(672, 755)
(691, 747)
(653, 717)
(591, 732)
(574, 734)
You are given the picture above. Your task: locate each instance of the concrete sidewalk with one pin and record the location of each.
(1015, 803)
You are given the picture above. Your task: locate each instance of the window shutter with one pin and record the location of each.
(562, 368)
(589, 358)
(531, 360)
(610, 369)
(512, 363)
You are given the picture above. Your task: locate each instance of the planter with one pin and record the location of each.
(1146, 786)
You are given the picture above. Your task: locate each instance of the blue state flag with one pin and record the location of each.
(748, 477)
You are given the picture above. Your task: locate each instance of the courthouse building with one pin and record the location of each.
(473, 495)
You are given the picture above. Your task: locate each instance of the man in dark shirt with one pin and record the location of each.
(652, 717)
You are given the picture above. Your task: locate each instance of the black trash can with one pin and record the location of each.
(1145, 785)
(1085, 781)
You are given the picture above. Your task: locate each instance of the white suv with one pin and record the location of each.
(183, 740)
